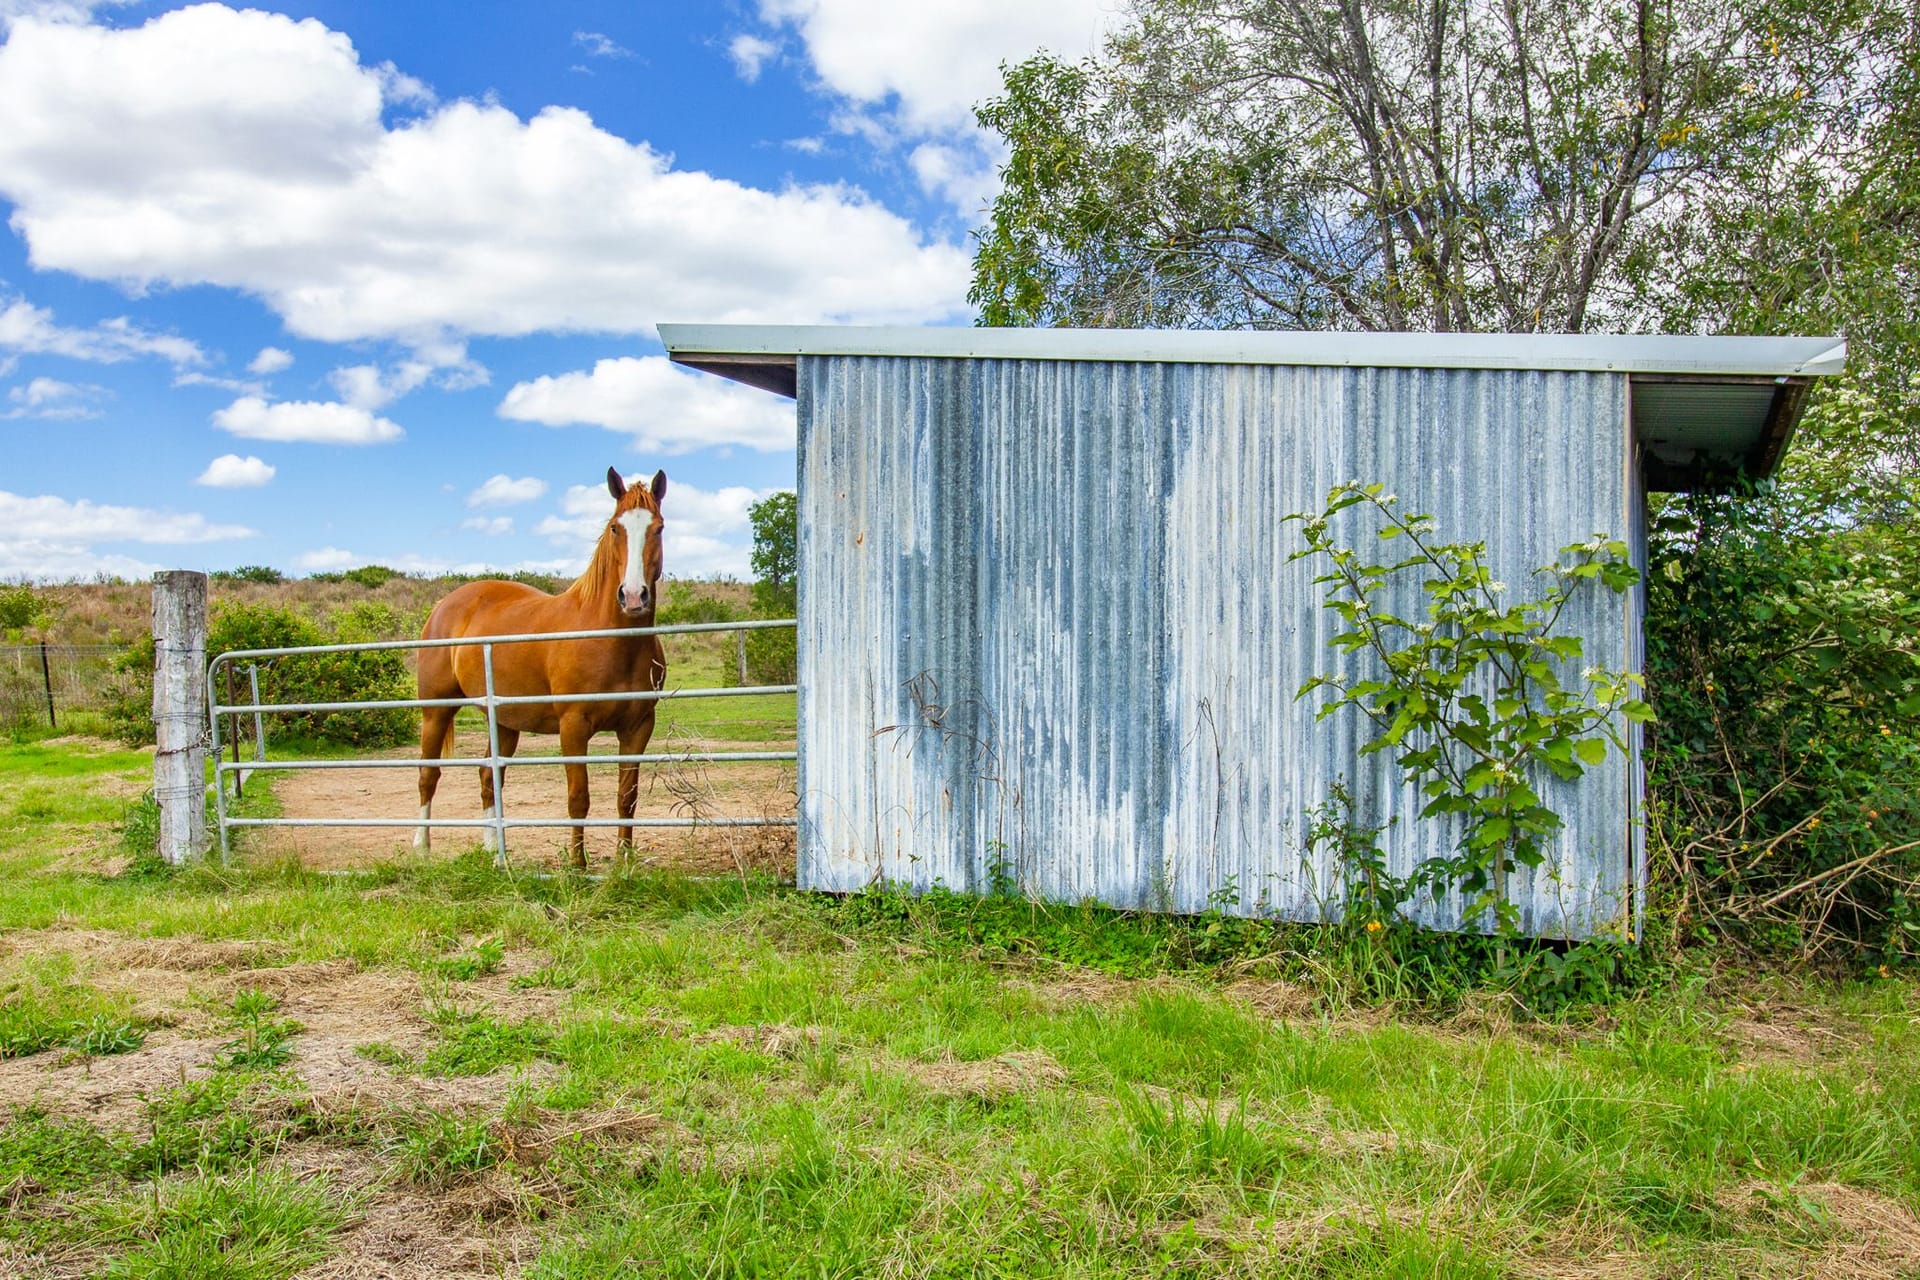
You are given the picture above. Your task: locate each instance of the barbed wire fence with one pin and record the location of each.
(39, 683)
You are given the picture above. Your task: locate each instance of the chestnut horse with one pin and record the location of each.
(620, 588)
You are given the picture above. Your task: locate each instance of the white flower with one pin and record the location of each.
(1496, 588)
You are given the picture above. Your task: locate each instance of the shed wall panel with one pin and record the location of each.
(1049, 629)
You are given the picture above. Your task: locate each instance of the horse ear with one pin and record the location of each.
(659, 486)
(615, 485)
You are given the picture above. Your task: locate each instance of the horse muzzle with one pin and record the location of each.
(637, 603)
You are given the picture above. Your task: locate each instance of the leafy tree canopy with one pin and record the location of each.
(776, 539)
(1503, 165)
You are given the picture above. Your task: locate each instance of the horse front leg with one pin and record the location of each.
(576, 732)
(436, 735)
(633, 742)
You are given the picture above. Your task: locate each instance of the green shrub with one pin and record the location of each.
(130, 703)
(325, 677)
(248, 573)
(771, 654)
(23, 703)
(1782, 663)
(686, 605)
(370, 576)
(20, 606)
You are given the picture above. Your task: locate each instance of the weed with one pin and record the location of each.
(41, 1153)
(478, 961)
(212, 1125)
(140, 834)
(106, 1034)
(474, 1045)
(439, 1149)
(262, 1040)
(384, 1054)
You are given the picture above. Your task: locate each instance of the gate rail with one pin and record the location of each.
(493, 760)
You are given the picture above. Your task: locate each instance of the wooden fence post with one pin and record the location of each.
(180, 712)
(46, 677)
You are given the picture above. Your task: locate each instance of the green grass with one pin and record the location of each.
(46, 1004)
(439, 1149)
(55, 794)
(257, 1226)
(723, 1077)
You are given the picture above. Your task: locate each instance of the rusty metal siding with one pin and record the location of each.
(1048, 629)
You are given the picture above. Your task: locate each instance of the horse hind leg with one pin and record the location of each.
(436, 739)
(509, 743)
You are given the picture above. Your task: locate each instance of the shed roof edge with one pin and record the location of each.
(720, 347)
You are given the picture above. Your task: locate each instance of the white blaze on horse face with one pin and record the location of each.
(634, 586)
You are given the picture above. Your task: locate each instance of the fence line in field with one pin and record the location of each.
(38, 681)
(494, 761)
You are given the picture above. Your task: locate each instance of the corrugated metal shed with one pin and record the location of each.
(1048, 626)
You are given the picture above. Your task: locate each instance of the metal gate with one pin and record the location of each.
(498, 821)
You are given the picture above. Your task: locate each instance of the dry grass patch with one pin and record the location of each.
(776, 1040)
(990, 1079)
(1780, 1033)
(1823, 1229)
(109, 1091)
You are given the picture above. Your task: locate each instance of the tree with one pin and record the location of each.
(1518, 165)
(776, 549)
(776, 540)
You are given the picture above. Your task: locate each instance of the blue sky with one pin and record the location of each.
(330, 284)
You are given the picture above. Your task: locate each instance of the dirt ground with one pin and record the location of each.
(750, 790)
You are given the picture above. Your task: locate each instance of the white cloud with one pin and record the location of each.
(56, 518)
(31, 330)
(238, 386)
(966, 177)
(231, 471)
(49, 561)
(52, 398)
(505, 491)
(315, 422)
(667, 409)
(492, 526)
(369, 387)
(248, 150)
(271, 360)
(600, 46)
(931, 62)
(749, 54)
(707, 531)
(331, 559)
(327, 559)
